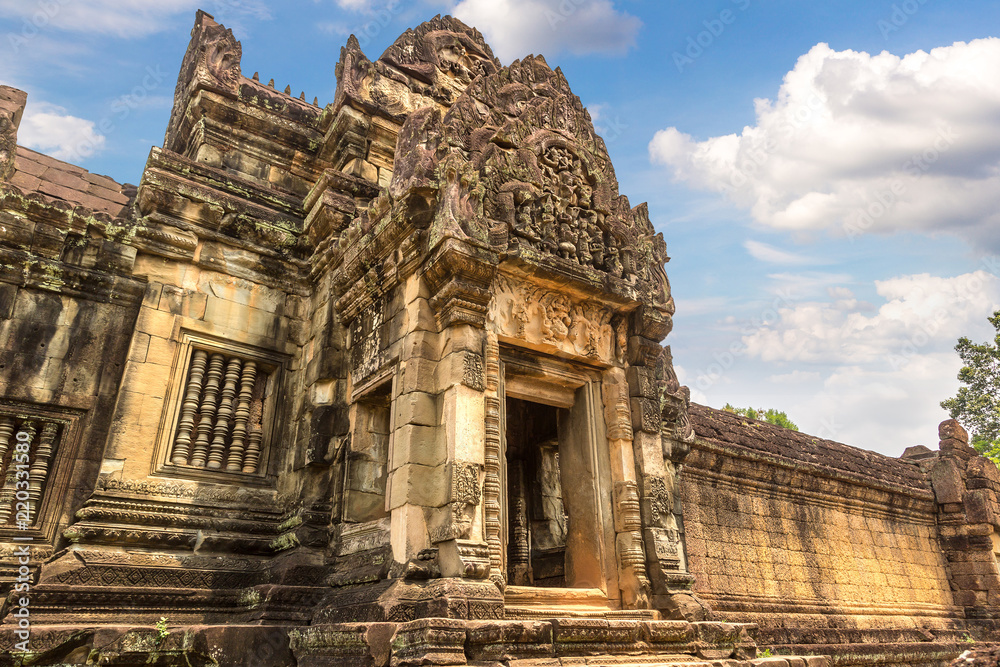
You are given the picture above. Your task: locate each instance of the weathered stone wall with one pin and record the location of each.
(818, 542)
(68, 304)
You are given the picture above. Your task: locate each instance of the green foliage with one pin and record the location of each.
(968, 639)
(161, 629)
(766, 653)
(771, 416)
(977, 404)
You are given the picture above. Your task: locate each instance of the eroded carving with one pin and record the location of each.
(473, 375)
(631, 557)
(537, 316)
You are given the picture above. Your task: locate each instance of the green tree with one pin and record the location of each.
(771, 416)
(977, 404)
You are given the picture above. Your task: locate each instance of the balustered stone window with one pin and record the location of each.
(32, 445)
(28, 464)
(223, 409)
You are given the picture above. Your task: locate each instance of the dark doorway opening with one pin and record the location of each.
(537, 521)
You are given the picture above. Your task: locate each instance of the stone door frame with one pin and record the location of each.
(539, 378)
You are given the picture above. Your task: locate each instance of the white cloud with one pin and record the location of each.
(921, 314)
(48, 129)
(856, 143)
(516, 28)
(804, 284)
(795, 377)
(771, 255)
(880, 408)
(119, 18)
(355, 5)
(840, 293)
(871, 376)
(697, 395)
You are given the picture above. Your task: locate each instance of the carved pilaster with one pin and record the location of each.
(492, 491)
(631, 557)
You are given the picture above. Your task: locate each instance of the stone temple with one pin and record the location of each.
(383, 384)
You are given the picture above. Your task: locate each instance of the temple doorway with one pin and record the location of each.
(556, 515)
(536, 551)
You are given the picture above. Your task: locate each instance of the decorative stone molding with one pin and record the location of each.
(631, 556)
(212, 61)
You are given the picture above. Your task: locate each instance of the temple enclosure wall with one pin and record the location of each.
(820, 543)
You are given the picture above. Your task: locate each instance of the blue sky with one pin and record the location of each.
(826, 175)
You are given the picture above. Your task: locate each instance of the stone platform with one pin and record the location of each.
(430, 641)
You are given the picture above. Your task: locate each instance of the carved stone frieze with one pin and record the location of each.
(550, 320)
(192, 490)
(666, 546)
(356, 538)
(659, 499)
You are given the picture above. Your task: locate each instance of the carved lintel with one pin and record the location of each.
(545, 318)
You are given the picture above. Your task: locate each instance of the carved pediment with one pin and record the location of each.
(430, 65)
(212, 61)
(442, 46)
(513, 168)
(548, 188)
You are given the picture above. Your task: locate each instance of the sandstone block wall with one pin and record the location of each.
(816, 541)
